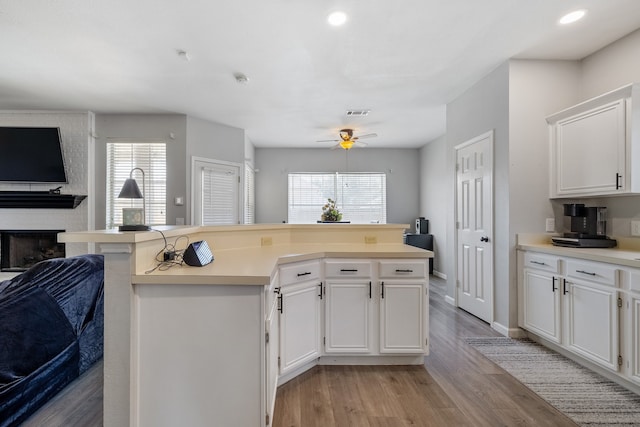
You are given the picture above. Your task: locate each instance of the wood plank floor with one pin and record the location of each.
(459, 387)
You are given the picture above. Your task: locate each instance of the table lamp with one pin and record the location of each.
(133, 219)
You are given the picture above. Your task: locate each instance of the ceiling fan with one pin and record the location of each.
(348, 141)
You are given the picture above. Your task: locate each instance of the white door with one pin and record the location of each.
(216, 192)
(474, 215)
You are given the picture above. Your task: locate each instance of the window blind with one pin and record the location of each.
(361, 197)
(218, 195)
(249, 194)
(122, 157)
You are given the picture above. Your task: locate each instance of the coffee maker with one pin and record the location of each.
(588, 228)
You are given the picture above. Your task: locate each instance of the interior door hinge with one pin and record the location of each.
(426, 341)
(619, 360)
(267, 419)
(278, 361)
(266, 337)
(324, 340)
(619, 302)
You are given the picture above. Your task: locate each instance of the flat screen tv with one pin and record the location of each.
(31, 155)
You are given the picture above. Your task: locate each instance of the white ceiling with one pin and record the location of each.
(403, 60)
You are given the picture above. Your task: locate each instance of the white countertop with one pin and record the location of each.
(627, 252)
(255, 265)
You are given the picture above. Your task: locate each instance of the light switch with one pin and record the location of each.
(635, 228)
(550, 225)
(179, 201)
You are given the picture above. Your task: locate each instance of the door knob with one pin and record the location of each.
(484, 239)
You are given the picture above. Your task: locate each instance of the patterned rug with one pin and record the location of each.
(584, 396)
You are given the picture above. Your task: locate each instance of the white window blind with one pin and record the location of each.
(219, 190)
(122, 157)
(249, 194)
(360, 197)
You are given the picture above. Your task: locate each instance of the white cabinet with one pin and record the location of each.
(403, 301)
(540, 309)
(592, 152)
(376, 307)
(573, 303)
(272, 349)
(349, 307)
(300, 315)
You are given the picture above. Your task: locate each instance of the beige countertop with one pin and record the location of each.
(627, 252)
(255, 265)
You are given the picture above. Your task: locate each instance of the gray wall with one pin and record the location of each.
(434, 190)
(482, 108)
(273, 165)
(170, 128)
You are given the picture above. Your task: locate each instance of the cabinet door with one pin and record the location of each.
(589, 152)
(348, 314)
(271, 353)
(592, 322)
(541, 304)
(402, 317)
(634, 331)
(299, 325)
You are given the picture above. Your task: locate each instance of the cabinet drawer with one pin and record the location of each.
(544, 262)
(606, 274)
(299, 272)
(342, 268)
(402, 269)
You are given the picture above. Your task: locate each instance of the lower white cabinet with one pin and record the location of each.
(299, 308)
(592, 322)
(573, 303)
(348, 316)
(402, 322)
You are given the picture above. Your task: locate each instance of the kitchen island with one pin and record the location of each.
(202, 345)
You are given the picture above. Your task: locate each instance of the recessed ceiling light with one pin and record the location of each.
(572, 17)
(337, 18)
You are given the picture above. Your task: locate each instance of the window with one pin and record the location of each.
(122, 157)
(361, 197)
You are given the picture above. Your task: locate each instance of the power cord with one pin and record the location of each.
(168, 256)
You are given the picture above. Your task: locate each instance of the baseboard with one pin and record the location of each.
(450, 300)
(440, 275)
(508, 332)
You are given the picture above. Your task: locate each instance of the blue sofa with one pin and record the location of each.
(51, 331)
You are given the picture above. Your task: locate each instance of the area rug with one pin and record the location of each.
(587, 398)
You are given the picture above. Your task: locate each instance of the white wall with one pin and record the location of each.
(434, 189)
(76, 129)
(400, 165)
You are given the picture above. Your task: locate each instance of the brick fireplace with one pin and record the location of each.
(20, 249)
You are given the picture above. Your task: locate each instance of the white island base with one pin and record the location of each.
(200, 346)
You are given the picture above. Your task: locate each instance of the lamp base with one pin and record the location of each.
(137, 227)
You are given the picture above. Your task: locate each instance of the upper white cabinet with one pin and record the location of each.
(595, 146)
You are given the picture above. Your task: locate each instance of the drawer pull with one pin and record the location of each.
(585, 272)
(538, 262)
(304, 274)
(348, 270)
(399, 270)
(280, 303)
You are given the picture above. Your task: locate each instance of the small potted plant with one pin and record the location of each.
(330, 212)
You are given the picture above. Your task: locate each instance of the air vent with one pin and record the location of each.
(356, 113)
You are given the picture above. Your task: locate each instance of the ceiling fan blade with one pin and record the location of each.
(368, 135)
(361, 144)
(329, 140)
(336, 147)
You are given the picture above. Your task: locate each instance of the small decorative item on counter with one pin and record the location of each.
(330, 211)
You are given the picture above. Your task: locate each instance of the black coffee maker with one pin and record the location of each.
(588, 228)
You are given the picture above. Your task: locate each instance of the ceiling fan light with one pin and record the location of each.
(337, 18)
(346, 144)
(572, 17)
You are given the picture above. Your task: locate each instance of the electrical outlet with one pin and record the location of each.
(266, 241)
(550, 225)
(370, 239)
(635, 228)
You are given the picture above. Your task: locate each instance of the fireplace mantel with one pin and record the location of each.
(39, 199)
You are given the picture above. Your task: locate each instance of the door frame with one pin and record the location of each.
(194, 170)
(491, 135)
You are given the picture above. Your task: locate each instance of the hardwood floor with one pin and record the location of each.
(459, 387)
